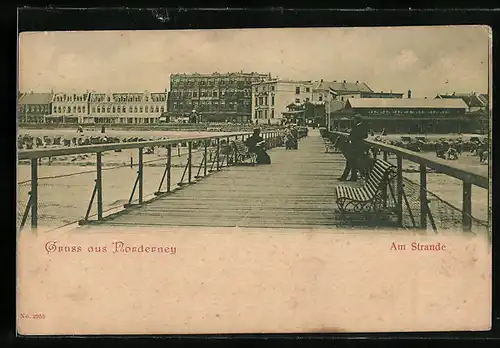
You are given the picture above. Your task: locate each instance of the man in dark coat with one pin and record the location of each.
(355, 149)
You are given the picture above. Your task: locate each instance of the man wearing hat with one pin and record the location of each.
(355, 149)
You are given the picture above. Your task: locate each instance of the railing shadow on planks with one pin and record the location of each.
(422, 214)
(216, 153)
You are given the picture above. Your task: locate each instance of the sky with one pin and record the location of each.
(427, 60)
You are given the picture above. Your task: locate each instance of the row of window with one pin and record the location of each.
(34, 108)
(262, 114)
(127, 98)
(216, 80)
(411, 112)
(264, 88)
(59, 109)
(189, 94)
(297, 90)
(131, 109)
(74, 97)
(263, 100)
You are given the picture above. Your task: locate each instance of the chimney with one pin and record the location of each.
(344, 81)
(357, 81)
(409, 94)
(321, 80)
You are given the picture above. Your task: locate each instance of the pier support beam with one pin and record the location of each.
(467, 207)
(423, 196)
(34, 193)
(99, 186)
(400, 188)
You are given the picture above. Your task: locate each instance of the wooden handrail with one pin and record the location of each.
(438, 164)
(63, 151)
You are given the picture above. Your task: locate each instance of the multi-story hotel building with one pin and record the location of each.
(270, 98)
(69, 107)
(214, 97)
(128, 108)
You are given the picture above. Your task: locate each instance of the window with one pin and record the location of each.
(83, 109)
(261, 101)
(265, 114)
(109, 109)
(342, 98)
(265, 100)
(272, 100)
(130, 109)
(135, 108)
(54, 110)
(272, 88)
(320, 98)
(93, 109)
(79, 109)
(114, 109)
(109, 99)
(98, 109)
(162, 109)
(157, 110)
(297, 100)
(74, 108)
(215, 93)
(307, 89)
(195, 94)
(297, 90)
(146, 108)
(140, 109)
(307, 99)
(256, 113)
(272, 113)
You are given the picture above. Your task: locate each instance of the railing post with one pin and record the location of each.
(218, 153)
(399, 203)
(467, 207)
(423, 196)
(190, 144)
(99, 186)
(169, 166)
(205, 158)
(34, 193)
(139, 173)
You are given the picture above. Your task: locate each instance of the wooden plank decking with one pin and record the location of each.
(296, 191)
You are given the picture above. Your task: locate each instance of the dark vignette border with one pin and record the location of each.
(126, 18)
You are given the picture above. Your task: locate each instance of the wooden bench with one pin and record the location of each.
(368, 198)
(241, 152)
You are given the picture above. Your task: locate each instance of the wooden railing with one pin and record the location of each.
(468, 178)
(272, 138)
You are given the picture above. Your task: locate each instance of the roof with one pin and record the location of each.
(342, 87)
(35, 98)
(470, 99)
(406, 103)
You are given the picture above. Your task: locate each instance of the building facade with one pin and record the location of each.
(126, 108)
(214, 97)
(69, 108)
(270, 99)
(34, 107)
(394, 115)
(475, 102)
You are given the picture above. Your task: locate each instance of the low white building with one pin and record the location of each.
(127, 108)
